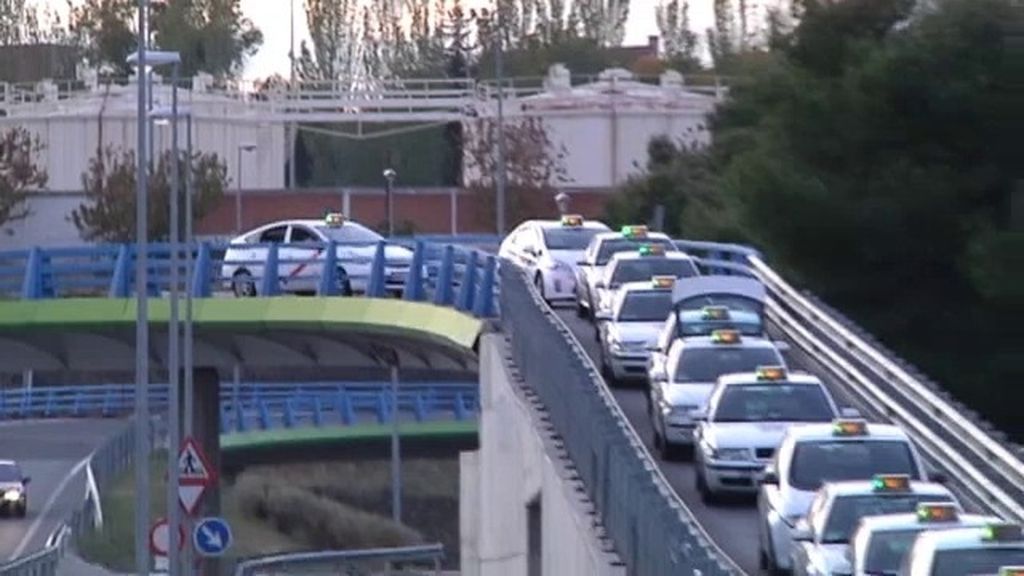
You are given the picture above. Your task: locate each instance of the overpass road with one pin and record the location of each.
(732, 525)
(53, 453)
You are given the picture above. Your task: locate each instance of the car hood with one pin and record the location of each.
(689, 394)
(796, 502)
(747, 434)
(646, 332)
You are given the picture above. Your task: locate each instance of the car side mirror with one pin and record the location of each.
(849, 412)
(583, 263)
(699, 416)
(599, 284)
(938, 477)
(770, 477)
(654, 348)
(781, 345)
(26, 479)
(801, 532)
(602, 315)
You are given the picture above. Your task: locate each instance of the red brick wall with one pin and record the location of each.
(429, 210)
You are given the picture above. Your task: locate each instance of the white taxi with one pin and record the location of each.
(548, 251)
(13, 489)
(648, 261)
(880, 543)
(813, 454)
(600, 251)
(631, 327)
(746, 417)
(821, 540)
(678, 393)
(996, 549)
(301, 256)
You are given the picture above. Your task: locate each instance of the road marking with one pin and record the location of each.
(47, 506)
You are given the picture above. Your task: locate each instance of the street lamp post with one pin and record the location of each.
(244, 147)
(389, 196)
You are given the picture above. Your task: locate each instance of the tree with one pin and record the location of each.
(534, 165)
(677, 35)
(108, 213)
(21, 23)
(334, 51)
(105, 31)
(19, 173)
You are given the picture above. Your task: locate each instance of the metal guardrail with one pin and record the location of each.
(445, 273)
(101, 468)
(407, 561)
(259, 406)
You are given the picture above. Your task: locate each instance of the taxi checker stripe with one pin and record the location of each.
(302, 266)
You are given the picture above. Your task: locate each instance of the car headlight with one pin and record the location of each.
(12, 495)
(730, 454)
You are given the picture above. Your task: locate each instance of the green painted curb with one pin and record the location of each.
(384, 316)
(285, 437)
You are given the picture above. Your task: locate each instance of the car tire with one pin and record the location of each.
(344, 282)
(22, 510)
(581, 312)
(243, 285)
(538, 282)
(706, 495)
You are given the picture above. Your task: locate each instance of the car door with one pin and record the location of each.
(301, 259)
(530, 248)
(257, 255)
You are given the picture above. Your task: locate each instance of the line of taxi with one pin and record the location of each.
(835, 494)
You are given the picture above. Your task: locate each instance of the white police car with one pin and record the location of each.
(996, 549)
(13, 489)
(301, 256)
(880, 543)
(648, 261)
(813, 454)
(631, 327)
(746, 417)
(821, 540)
(600, 251)
(548, 251)
(678, 393)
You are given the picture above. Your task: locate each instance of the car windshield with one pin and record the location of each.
(730, 301)
(569, 238)
(978, 561)
(773, 403)
(9, 473)
(886, 551)
(649, 306)
(689, 326)
(615, 245)
(350, 232)
(707, 364)
(848, 510)
(643, 269)
(818, 461)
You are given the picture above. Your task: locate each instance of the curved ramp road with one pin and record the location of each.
(732, 525)
(53, 453)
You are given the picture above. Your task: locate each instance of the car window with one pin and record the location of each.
(351, 232)
(647, 306)
(818, 461)
(886, 550)
(730, 301)
(693, 323)
(10, 473)
(612, 246)
(644, 269)
(773, 402)
(569, 238)
(978, 561)
(303, 234)
(273, 235)
(707, 364)
(848, 510)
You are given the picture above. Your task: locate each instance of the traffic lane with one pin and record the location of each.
(733, 526)
(49, 452)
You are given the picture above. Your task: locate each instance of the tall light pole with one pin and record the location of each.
(499, 72)
(243, 147)
(389, 197)
(142, 567)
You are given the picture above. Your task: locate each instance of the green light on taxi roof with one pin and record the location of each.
(634, 231)
(936, 512)
(1002, 533)
(890, 483)
(652, 250)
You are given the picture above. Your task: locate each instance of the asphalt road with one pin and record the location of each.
(49, 451)
(732, 525)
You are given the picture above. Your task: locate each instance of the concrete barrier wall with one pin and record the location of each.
(523, 514)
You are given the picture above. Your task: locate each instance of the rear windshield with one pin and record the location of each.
(816, 462)
(886, 551)
(644, 269)
(773, 403)
(730, 301)
(847, 511)
(9, 473)
(979, 561)
(693, 323)
(569, 238)
(615, 245)
(707, 364)
(652, 306)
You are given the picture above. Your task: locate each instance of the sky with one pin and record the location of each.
(271, 16)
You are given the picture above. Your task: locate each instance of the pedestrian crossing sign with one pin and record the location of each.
(193, 467)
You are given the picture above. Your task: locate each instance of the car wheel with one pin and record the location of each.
(581, 312)
(667, 450)
(22, 510)
(538, 281)
(606, 370)
(706, 495)
(243, 285)
(344, 282)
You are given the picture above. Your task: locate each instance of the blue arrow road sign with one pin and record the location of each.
(212, 536)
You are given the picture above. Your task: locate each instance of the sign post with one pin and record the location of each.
(195, 475)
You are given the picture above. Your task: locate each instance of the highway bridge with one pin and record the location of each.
(649, 518)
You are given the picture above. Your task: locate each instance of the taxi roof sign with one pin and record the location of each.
(652, 250)
(771, 373)
(890, 483)
(714, 313)
(634, 231)
(572, 220)
(725, 336)
(850, 428)
(1002, 533)
(1011, 571)
(334, 219)
(937, 512)
(663, 281)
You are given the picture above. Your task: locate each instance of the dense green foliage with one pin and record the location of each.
(875, 156)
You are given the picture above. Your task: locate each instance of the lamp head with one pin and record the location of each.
(390, 174)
